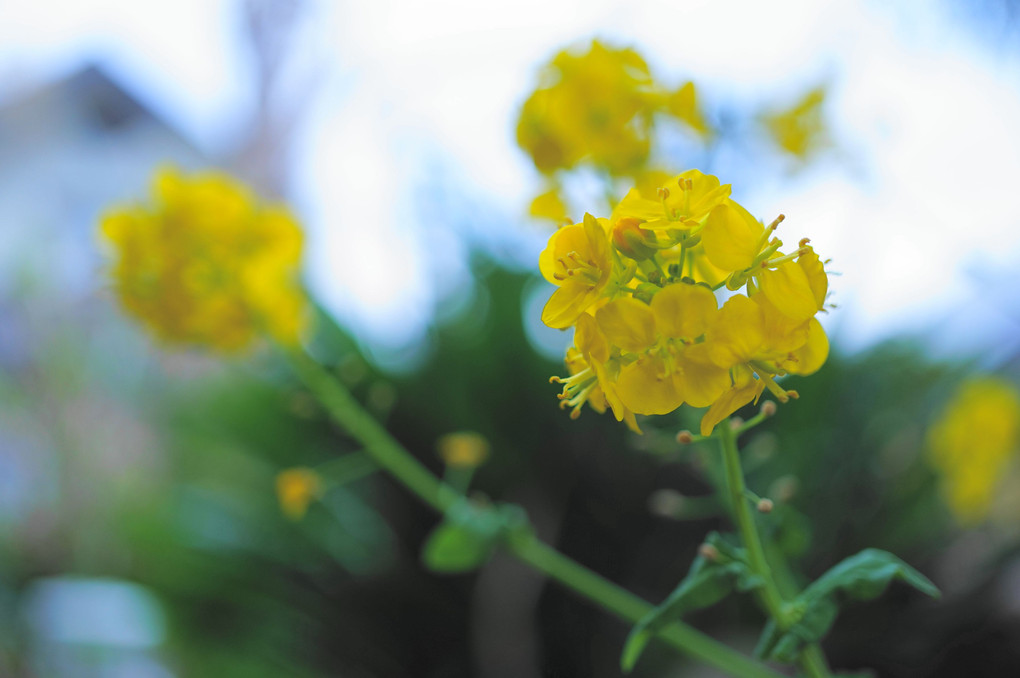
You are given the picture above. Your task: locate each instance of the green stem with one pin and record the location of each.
(392, 457)
(386, 451)
(626, 605)
(812, 660)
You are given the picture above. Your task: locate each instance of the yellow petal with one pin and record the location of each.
(788, 289)
(644, 387)
(567, 303)
(812, 355)
(683, 310)
(731, 237)
(683, 104)
(589, 339)
(703, 382)
(815, 272)
(728, 403)
(636, 206)
(549, 205)
(627, 323)
(737, 334)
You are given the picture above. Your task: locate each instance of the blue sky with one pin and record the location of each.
(918, 198)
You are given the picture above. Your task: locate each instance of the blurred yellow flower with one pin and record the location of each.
(295, 490)
(205, 264)
(800, 130)
(593, 107)
(463, 449)
(973, 442)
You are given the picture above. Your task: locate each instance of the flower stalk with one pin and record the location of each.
(812, 660)
(345, 410)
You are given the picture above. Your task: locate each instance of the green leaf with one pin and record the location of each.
(455, 548)
(707, 582)
(861, 577)
(464, 540)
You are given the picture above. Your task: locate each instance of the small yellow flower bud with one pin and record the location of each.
(736, 423)
(633, 241)
(708, 552)
(685, 437)
(768, 408)
(295, 490)
(464, 449)
(765, 506)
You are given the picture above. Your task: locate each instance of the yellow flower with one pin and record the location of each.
(800, 129)
(593, 375)
(206, 264)
(683, 202)
(295, 490)
(650, 334)
(592, 107)
(661, 365)
(973, 443)
(577, 260)
(463, 449)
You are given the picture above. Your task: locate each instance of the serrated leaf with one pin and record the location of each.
(860, 577)
(707, 582)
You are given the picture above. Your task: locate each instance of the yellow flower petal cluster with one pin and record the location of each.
(598, 108)
(642, 290)
(204, 263)
(973, 443)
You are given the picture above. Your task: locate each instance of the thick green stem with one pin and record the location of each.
(392, 457)
(812, 660)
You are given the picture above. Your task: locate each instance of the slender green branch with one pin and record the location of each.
(386, 452)
(392, 457)
(812, 660)
(632, 608)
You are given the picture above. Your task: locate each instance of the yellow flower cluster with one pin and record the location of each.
(206, 264)
(640, 289)
(973, 443)
(598, 108)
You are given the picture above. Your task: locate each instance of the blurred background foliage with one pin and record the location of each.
(140, 532)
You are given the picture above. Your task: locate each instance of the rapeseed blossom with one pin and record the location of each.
(204, 263)
(973, 443)
(598, 109)
(643, 289)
